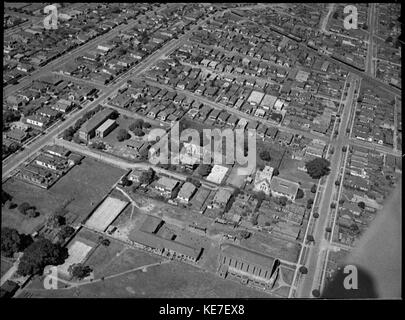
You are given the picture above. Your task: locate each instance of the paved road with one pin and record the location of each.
(325, 20)
(324, 207)
(79, 51)
(10, 89)
(125, 164)
(237, 112)
(370, 50)
(141, 67)
(349, 68)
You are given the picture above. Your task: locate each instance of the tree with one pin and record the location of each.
(310, 238)
(123, 135)
(204, 169)
(114, 115)
(276, 172)
(265, 155)
(146, 125)
(138, 123)
(245, 234)
(317, 168)
(316, 293)
(344, 149)
(310, 201)
(11, 205)
(125, 181)
(260, 196)
(55, 221)
(79, 271)
(313, 188)
(68, 134)
(316, 215)
(300, 194)
(105, 242)
(138, 132)
(337, 183)
(12, 241)
(282, 201)
(98, 145)
(32, 212)
(23, 207)
(361, 205)
(10, 116)
(303, 270)
(5, 197)
(389, 39)
(254, 219)
(40, 254)
(354, 228)
(66, 232)
(147, 176)
(333, 205)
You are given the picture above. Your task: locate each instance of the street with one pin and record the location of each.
(18, 158)
(324, 208)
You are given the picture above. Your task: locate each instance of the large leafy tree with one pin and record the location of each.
(318, 167)
(204, 169)
(147, 176)
(79, 271)
(12, 241)
(40, 254)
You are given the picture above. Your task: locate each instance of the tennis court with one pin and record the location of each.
(106, 213)
(78, 251)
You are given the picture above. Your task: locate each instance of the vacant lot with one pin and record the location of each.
(116, 258)
(273, 246)
(172, 280)
(79, 191)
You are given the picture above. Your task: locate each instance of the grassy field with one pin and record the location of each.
(81, 189)
(276, 154)
(117, 258)
(273, 246)
(172, 280)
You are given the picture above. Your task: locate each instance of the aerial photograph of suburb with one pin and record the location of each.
(248, 151)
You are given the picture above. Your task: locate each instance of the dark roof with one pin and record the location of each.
(247, 255)
(154, 241)
(151, 224)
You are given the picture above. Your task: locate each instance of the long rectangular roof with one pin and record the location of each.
(247, 255)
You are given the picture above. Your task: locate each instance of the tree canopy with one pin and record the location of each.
(40, 254)
(123, 135)
(12, 241)
(265, 155)
(318, 168)
(204, 169)
(79, 271)
(147, 176)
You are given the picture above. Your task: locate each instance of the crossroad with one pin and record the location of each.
(149, 61)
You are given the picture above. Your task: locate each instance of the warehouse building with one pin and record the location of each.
(281, 187)
(88, 129)
(247, 265)
(108, 126)
(155, 236)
